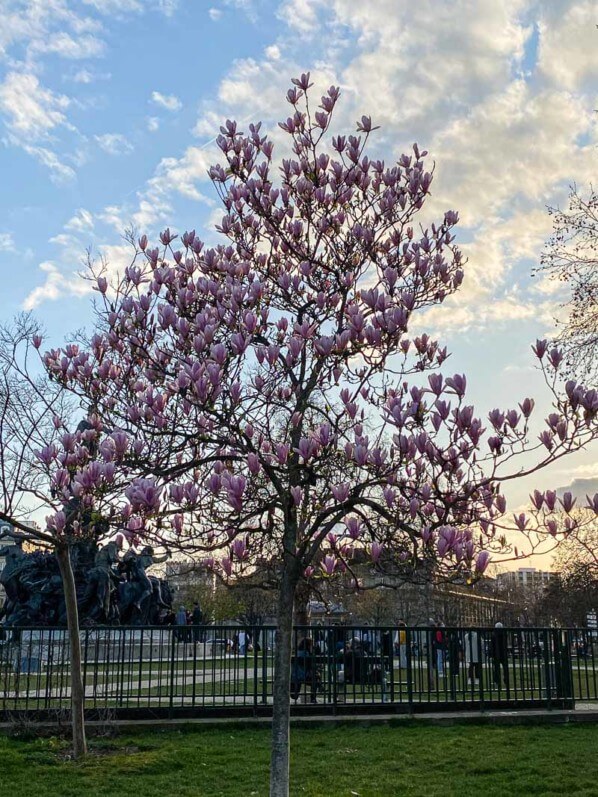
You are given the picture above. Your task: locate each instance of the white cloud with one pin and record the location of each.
(111, 215)
(36, 22)
(114, 144)
(50, 290)
(67, 46)
(569, 43)
(110, 7)
(246, 6)
(169, 102)
(168, 7)
(58, 284)
(66, 241)
(215, 14)
(116, 258)
(84, 76)
(121, 7)
(153, 123)
(60, 172)
(301, 15)
(31, 111)
(208, 124)
(81, 221)
(273, 52)
(172, 176)
(7, 243)
(182, 174)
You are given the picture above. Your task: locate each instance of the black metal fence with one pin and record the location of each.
(186, 671)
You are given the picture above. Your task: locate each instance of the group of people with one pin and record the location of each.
(364, 656)
(189, 624)
(447, 649)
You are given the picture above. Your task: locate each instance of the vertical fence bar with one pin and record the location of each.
(547, 670)
(172, 660)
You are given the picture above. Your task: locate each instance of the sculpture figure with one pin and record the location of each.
(139, 588)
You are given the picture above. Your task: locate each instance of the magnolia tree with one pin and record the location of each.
(264, 400)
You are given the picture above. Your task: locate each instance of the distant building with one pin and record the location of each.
(185, 575)
(525, 578)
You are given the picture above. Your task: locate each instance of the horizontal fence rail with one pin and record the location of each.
(194, 670)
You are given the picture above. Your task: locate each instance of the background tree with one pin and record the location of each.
(571, 256)
(270, 401)
(218, 602)
(570, 595)
(574, 590)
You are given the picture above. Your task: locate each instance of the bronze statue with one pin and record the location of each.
(109, 590)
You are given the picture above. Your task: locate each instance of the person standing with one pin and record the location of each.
(196, 619)
(455, 656)
(440, 648)
(472, 657)
(401, 643)
(500, 655)
(181, 623)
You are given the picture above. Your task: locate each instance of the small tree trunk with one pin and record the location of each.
(279, 762)
(72, 619)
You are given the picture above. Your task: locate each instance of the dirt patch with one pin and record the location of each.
(105, 751)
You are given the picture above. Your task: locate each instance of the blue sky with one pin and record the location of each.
(108, 109)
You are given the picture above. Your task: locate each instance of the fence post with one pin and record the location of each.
(564, 666)
(480, 667)
(256, 645)
(266, 639)
(123, 647)
(409, 670)
(547, 672)
(172, 659)
(391, 664)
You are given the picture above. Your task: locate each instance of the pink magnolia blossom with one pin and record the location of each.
(144, 495)
(340, 492)
(329, 564)
(376, 550)
(227, 565)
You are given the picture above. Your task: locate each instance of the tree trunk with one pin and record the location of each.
(302, 594)
(72, 619)
(279, 761)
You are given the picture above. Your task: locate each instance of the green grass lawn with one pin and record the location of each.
(374, 761)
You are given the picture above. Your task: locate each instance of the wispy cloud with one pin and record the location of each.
(169, 102)
(30, 110)
(114, 144)
(60, 172)
(7, 243)
(81, 221)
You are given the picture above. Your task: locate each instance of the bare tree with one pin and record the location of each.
(571, 256)
(31, 411)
